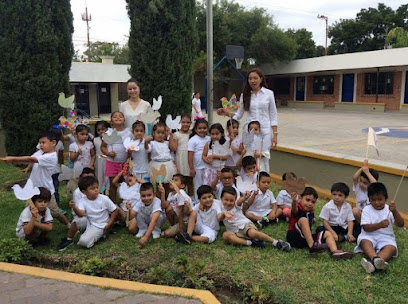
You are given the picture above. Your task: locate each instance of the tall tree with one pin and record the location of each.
(306, 47)
(162, 43)
(36, 49)
(104, 48)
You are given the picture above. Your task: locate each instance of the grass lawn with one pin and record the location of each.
(233, 274)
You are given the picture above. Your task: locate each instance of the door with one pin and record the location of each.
(104, 98)
(300, 88)
(406, 88)
(82, 99)
(347, 94)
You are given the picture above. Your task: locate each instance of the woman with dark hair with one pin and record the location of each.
(134, 107)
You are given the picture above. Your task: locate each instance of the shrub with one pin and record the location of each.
(15, 250)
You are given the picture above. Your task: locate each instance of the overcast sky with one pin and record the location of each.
(110, 21)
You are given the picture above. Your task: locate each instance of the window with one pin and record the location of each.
(281, 86)
(385, 83)
(323, 84)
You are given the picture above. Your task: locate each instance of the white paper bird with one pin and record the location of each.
(246, 185)
(111, 136)
(70, 173)
(247, 137)
(173, 124)
(157, 103)
(131, 144)
(256, 144)
(66, 102)
(27, 192)
(150, 117)
(220, 150)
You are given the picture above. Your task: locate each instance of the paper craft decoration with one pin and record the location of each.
(158, 175)
(157, 103)
(66, 102)
(246, 185)
(26, 193)
(173, 124)
(256, 144)
(220, 150)
(292, 184)
(111, 136)
(230, 105)
(71, 121)
(70, 173)
(247, 137)
(105, 185)
(131, 144)
(372, 141)
(150, 116)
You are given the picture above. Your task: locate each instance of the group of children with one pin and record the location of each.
(197, 191)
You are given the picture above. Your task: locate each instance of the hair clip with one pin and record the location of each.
(198, 118)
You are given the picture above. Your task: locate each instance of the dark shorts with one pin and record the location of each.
(341, 231)
(296, 240)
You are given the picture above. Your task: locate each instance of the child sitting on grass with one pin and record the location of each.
(377, 239)
(300, 228)
(240, 230)
(284, 201)
(29, 227)
(337, 215)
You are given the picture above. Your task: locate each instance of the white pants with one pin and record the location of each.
(205, 231)
(143, 222)
(198, 181)
(90, 236)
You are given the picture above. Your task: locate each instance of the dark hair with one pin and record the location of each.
(194, 94)
(146, 187)
(158, 125)
(377, 189)
(248, 161)
(263, 174)
(229, 190)
(57, 132)
(101, 123)
(217, 126)
(373, 172)
(113, 113)
(86, 181)
(138, 123)
(232, 122)
(254, 122)
(310, 191)
(246, 92)
(87, 171)
(197, 122)
(204, 189)
(45, 195)
(227, 170)
(80, 128)
(182, 178)
(185, 115)
(51, 135)
(284, 175)
(341, 187)
(133, 80)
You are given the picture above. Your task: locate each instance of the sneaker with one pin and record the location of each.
(341, 238)
(341, 255)
(155, 235)
(65, 243)
(318, 248)
(62, 211)
(259, 224)
(284, 246)
(140, 233)
(367, 265)
(379, 263)
(183, 238)
(258, 243)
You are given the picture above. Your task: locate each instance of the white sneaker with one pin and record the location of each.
(140, 233)
(155, 235)
(367, 265)
(379, 263)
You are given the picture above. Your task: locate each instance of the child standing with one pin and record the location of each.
(300, 228)
(261, 153)
(377, 239)
(82, 151)
(140, 153)
(196, 143)
(214, 162)
(28, 226)
(196, 106)
(337, 215)
(236, 145)
(240, 230)
(100, 162)
(284, 201)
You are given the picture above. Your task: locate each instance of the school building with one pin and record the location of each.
(375, 80)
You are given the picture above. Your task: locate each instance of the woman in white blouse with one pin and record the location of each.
(134, 107)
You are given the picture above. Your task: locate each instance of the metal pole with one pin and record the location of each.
(327, 33)
(210, 62)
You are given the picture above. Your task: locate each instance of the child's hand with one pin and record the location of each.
(79, 151)
(7, 159)
(392, 206)
(294, 196)
(384, 223)
(228, 215)
(143, 240)
(34, 212)
(257, 154)
(222, 112)
(148, 138)
(335, 236)
(247, 194)
(187, 204)
(128, 205)
(26, 170)
(160, 188)
(365, 166)
(218, 174)
(71, 203)
(111, 154)
(243, 151)
(192, 172)
(351, 238)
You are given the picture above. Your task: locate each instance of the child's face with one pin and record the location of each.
(363, 183)
(338, 197)
(101, 129)
(215, 135)
(82, 136)
(233, 129)
(206, 200)
(177, 181)
(377, 201)
(228, 201)
(227, 178)
(254, 127)
(147, 197)
(185, 124)
(92, 191)
(308, 202)
(201, 129)
(133, 90)
(264, 183)
(41, 205)
(47, 145)
(118, 119)
(250, 170)
(130, 180)
(138, 132)
(160, 134)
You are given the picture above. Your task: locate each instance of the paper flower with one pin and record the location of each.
(230, 105)
(71, 121)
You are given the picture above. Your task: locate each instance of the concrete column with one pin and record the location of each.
(114, 93)
(93, 100)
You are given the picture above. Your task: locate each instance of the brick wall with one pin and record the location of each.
(329, 99)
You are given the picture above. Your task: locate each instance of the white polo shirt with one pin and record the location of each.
(336, 217)
(97, 211)
(262, 203)
(209, 217)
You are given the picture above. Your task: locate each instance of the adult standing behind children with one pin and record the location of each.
(134, 107)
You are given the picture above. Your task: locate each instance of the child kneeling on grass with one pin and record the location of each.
(240, 230)
(29, 226)
(300, 228)
(377, 239)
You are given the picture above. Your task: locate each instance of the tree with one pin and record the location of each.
(36, 49)
(306, 47)
(162, 43)
(103, 48)
(397, 37)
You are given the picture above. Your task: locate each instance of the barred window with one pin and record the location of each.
(323, 84)
(385, 83)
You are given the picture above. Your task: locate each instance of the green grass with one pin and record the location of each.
(233, 274)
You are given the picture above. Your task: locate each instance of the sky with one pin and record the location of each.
(110, 21)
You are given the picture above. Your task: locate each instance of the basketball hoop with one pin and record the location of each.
(238, 62)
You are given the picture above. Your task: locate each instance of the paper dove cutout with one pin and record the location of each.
(230, 105)
(294, 185)
(256, 144)
(247, 185)
(173, 124)
(158, 175)
(131, 144)
(70, 173)
(247, 137)
(64, 102)
(221, 150)
(111, 136)
(27, 192)
(150, 116)
(157, 103)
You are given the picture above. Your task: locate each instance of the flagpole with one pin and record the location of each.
(402, 178)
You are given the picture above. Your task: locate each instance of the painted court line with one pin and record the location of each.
(380, 143)
(332, 142)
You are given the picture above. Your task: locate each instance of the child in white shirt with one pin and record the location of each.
(284, 201)
(236, 145)
(140, 153)
(224, 178)
(82, 150)
(100, 162)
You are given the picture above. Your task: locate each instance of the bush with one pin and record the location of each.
(93, 267)
(15, 250)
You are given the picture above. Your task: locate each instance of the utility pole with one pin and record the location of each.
(87, 18)
(210, 94)
(327, 30)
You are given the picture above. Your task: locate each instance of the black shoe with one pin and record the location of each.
(318, 248)
(41, 242)
(65, 243)
(258, 243)
(183, 238)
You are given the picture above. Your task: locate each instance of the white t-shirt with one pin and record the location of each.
(262, 202)
(196, 144)
(361, 197)
(42, 171)
(218, 164)
(331, 213)
(196, 102)
(209, 217)
(150, 209)
(25, 217)
(177, 200)
(284, 199)
(97, 211)
(160, 151)
(119, 148)
(373, 216)
(85, 157)
(239, 220)
(219, 189)
(129, 194)
(140, 159)
(77, 197)
(58, 147)
(132, 115)
(232, 159)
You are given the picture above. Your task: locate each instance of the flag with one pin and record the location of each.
(372, 139)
